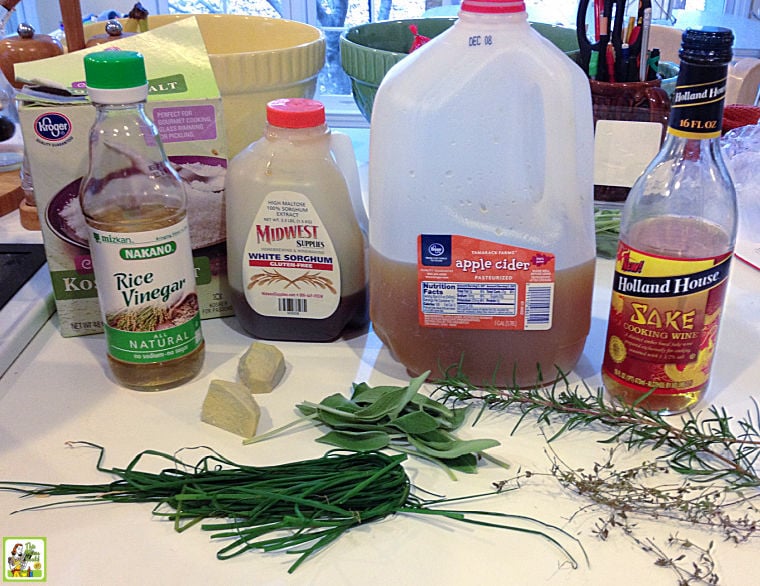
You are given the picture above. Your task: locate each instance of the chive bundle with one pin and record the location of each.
(297, 507)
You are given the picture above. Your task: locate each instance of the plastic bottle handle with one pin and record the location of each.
(345, 157)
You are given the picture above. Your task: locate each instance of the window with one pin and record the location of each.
(332, 16)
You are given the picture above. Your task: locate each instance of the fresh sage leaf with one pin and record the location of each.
(360, 441)
(415, 422)
(459, 448)
(467, 463)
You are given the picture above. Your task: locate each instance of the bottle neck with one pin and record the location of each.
(313, 133)
(697, 104)
(116, 109)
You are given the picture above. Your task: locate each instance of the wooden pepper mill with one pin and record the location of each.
(114, 32)
(25, 46)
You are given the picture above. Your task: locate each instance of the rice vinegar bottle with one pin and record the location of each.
(135, 208)
(677, 235)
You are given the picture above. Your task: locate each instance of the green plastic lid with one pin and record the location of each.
(115, 70)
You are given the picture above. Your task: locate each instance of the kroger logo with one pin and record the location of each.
(53, 127)
(436, 249)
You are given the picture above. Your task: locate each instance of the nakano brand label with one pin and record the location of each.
(290, 266)
(664, 320)
(147, 293)
(155, 251)
(467, 283)
(697, 108)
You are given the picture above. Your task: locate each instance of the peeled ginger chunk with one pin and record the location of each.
(261, 367)
(230, 406)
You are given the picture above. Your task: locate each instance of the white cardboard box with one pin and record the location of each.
(185, 105)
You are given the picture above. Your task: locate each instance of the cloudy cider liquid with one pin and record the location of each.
(665, 339)
(487, 357)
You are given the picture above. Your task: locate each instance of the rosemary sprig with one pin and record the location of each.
(701, 446)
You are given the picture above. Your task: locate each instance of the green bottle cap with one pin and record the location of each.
(114, 70)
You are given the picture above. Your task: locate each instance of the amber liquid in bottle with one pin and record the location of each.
(502, 358)
(677, 234)
(155, 376)
(672, 237)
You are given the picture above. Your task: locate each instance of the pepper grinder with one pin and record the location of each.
(114, 32)
(23, 47)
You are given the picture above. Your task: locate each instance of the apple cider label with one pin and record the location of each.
(664, 320)
(472, 284)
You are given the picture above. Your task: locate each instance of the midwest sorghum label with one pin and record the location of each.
(664, 320)
(467, 283)
(147, 292)
(290, 266)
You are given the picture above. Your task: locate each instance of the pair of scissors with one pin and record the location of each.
(581, 31)
(595, 58)
(620, 64)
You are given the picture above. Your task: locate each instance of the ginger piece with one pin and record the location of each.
(261, 367)
(230, 406)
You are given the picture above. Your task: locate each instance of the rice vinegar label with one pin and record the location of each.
(467, 283)
(147, 292)
(290, 266)
(664, 320)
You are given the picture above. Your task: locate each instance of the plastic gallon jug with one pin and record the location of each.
(481, 203)
(295, 249)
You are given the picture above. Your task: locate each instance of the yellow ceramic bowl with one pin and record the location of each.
(255, 59)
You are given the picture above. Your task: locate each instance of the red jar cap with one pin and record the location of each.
(493, 6)
(295, 113)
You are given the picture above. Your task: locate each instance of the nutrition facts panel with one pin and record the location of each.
(497, 299)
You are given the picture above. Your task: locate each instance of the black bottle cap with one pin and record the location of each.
(708, 45)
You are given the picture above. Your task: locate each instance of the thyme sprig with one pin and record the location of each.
(648, 491)
(640, 491)
(692, 564)
(702, 446)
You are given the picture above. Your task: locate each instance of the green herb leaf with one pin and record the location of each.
(455, 449)
(415, 422)
(359, 441)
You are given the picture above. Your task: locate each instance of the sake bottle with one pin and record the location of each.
(677, 235)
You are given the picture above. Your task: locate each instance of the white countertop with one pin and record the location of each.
(58, 390)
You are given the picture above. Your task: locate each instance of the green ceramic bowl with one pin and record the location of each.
(368, 51)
